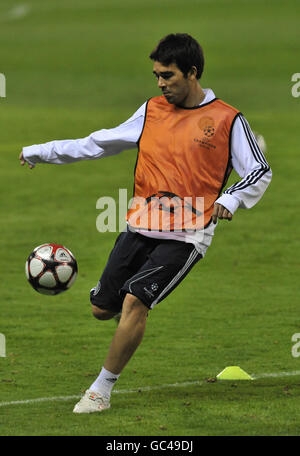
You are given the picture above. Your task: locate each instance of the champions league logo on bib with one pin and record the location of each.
(207, 124)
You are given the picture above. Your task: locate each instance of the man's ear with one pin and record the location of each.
(192, 74)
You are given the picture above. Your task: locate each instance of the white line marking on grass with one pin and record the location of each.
(40, 399)
(158, 387)
(143, 389)
(128, 391)
(276, 374)
(16, 12)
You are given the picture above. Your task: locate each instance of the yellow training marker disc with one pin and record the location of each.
(233, 373)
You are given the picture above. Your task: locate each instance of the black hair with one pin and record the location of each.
(182, 49)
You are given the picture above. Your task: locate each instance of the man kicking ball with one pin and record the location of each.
(188, 143)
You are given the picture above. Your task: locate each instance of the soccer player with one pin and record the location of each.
(188, 143)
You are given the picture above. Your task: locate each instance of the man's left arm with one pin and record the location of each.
(251, 165)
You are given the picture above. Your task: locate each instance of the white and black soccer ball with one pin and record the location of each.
(51, 269)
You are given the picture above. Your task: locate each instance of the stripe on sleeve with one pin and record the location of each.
(256, 174)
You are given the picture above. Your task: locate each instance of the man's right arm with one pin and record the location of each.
(99, 144)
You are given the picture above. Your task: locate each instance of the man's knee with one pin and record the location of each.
(102, 314)
(134, 306)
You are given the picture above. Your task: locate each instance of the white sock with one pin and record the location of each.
(104, 383)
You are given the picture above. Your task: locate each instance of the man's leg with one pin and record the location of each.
(126, 340)
(161, 266)
(129, 332)
(128, 335)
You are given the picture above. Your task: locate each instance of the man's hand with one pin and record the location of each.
(23, 161)
(221, 212)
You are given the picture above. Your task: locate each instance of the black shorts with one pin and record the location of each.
(144, 267)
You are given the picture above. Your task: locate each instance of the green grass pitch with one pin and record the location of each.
(73, 67)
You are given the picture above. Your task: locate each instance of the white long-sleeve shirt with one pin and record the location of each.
(246, 158)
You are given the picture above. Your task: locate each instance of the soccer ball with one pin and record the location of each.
(51, 269)
(261, 142)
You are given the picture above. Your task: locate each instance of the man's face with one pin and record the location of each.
(174, 86)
